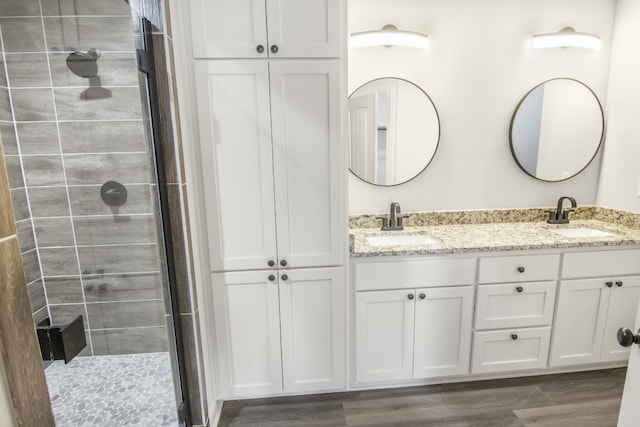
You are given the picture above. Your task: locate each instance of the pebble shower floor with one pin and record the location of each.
(111, 391)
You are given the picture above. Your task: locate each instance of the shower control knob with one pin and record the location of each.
(274, 49)
(260, 48)
(627, 338)
(284, 277)
(272, 277)
(271, 263)
(520, 269)
(283, 263)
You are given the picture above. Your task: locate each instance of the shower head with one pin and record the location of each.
(84, 64)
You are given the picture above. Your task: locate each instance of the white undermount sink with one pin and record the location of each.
(401, 240)
(581, 232)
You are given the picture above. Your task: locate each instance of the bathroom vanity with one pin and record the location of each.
(491, 299)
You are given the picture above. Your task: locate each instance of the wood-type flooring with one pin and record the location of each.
(583, 399)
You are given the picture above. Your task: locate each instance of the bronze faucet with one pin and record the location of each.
(560, 216)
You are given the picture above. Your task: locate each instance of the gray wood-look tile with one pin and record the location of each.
(5, 105)
(527, 401)
(13, 169)
(28, 70)
(22, 34)
(118, 259)
(112, 230)
(49, 202)
(84, 8)
(61, 314)
(36, 295)
(64, 290)
(114, 69)
(20, 8)
(9, 140)
(31, 265)
(122, 103)
(108, 315)
(43, 171)
(111, 288)
(83, 33)
(102, 137)
(126, 168)
(131, 340)
(85, 200)
(53, 232)
(25, 235)
(38, 138)
(33, 105)
(20, 203)
(59, 262)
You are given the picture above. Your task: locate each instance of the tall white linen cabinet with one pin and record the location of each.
(271, 97)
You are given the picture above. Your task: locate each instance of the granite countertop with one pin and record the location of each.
(491, 237)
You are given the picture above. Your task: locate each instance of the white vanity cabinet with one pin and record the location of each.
(514, 314)
(280, 331)
(406, 332)
(270, 141)
(599, 293)
(265, 28)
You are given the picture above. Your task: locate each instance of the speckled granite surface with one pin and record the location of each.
(500, 230)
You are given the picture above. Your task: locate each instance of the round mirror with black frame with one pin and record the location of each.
(556, 129)
(394, 131)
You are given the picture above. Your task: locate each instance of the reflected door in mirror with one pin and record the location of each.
(394, 131)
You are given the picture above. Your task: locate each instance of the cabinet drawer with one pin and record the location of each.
(497, 351)
(515, 305)
(413, 273)
(601, 263)
(522, 268)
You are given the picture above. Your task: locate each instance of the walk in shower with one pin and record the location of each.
(74, 123)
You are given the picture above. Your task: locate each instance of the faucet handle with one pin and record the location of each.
(385, 222)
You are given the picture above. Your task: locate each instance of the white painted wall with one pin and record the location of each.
(621, 162)
(477, 68)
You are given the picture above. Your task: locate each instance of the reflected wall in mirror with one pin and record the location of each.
(557, 129)
(394, 131)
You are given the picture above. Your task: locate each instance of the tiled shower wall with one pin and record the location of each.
(64, 137)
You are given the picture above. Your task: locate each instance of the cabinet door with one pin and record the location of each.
(304, 28)
(312, 327)
(580, 319)
(235, 140)
(384, 335)
(248, 332)
(442, 343)
(623, 306)
(308, 162)
(229, 28)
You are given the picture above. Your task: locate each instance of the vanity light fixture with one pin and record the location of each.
(389, 36)
(567, 37)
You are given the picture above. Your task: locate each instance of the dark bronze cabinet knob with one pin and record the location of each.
(283, 263)
(627, 338)
(422, 296)
(284, 277)
(619, 283)
(272, 277)
(271, 263)
(260, 48)
(519, 289)
(609, 284)
(410, 296)
(520, 269)
(514, 337)
(274, 49)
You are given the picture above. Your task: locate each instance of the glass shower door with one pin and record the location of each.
(86, 194)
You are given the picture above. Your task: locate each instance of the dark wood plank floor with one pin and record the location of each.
(584, 399)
